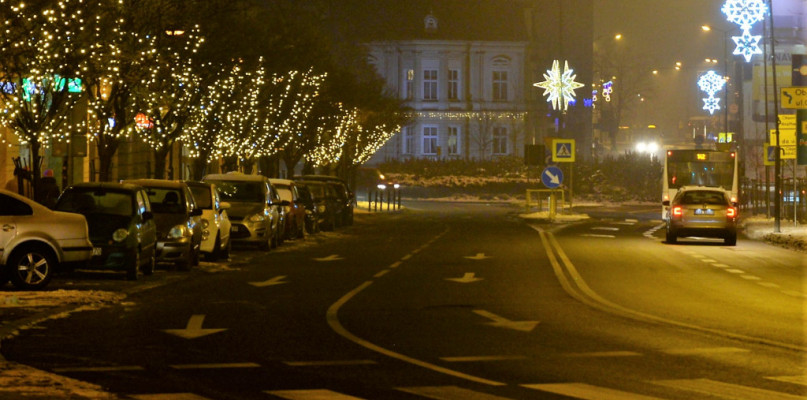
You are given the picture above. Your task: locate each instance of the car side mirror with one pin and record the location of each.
(147, 216)
(665, 203)
(224, 205)
(196, 212)
(285, 203)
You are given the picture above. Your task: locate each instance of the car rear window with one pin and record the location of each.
(251, 192)
(95, 201)
(202, 196)
(703, 197)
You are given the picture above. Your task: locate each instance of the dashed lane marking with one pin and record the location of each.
(100, 369)
(720, 265)
(768, 285)
(793, 293)
(328, 363)
(604, 228)
(381, 273)
(594, 235)
(751, 277)
(310, 394)
(587, 392)
(735, 271)
(705, 350)
(726, 390)
(603, 354)
(217, 366)
(708, 260)
(482, 358)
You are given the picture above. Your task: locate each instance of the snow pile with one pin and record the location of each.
(791, 236)
(59, 297)
(17, 380)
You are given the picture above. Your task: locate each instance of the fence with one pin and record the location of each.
(377, 196)
(757, 198)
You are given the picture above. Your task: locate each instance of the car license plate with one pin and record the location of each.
(235, 228)
(704, 212)
(96, 251)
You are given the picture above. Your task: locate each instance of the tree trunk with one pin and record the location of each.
(36, 169)
(106, 152)
(200, 167)
(160, 162)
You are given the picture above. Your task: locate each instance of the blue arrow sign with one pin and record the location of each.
(552, 177)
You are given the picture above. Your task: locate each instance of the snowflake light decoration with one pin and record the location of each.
(747, 45)
(711, 83)
(711, 104)
(744, 12)
(559, 87)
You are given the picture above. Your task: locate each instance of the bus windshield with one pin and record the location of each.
(700, 168)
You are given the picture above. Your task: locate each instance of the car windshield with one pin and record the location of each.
(203, 197)
(250, 192)
(166, 200)
(284, 192)
(703, 197)
(96, 201)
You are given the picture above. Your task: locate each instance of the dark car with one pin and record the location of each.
(311, 210)
(329, 205)
(702, 211)
(294, 226)
(343, 192)
(179, 221)
(122, 228)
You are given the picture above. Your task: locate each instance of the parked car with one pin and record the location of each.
(179, 221)
(702, 211)
(343, 192)
(329, 205)
(295, 211)
(122, 228)
(311, 209)
(216, 241)
(35, 241)
(254, 208)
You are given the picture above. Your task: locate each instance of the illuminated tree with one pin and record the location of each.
(40, 47)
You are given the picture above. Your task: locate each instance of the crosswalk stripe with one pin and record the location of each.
(449, 393)
(168, 396)
(705, 350)
(310, 394)
(587, 392)
(726, 390)
(797, 379)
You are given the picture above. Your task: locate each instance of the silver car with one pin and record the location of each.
(701, 211)
(34, 240)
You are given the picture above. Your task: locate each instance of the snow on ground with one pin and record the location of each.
(20, 381)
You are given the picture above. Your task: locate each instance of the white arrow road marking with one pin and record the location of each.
(332, 257)
(271, 282)
(194, 328)
(478, 256)
(469, 277)
(552, 178)
(501, 322)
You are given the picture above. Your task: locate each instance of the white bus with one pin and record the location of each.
(699, 167)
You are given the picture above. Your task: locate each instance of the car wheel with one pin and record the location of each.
(216, 253)
(731, 239)
(148, 267)
(197, 255)
(133, 268)
(270, 241)
(31, 268)
(672, 238)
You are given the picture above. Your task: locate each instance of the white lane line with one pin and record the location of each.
(168, 396)
(797, 379)
(768, 285)
(624, 223)
(396, 264)
(793, 293)
(719, 265)
(735, 271)
(328, 363)
(100, 369)
(216, 366)
(482, 358)
(708, 260)
(631, 220)
(598, 236)
(726, 390)
(448, 393)
(310, 394)
(705, 350)
(604, 354)
(587, 392)
(381, 273)
(604, 228)
(406, 257)
(696, 255)
(751, 277)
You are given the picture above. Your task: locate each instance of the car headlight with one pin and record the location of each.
(257, 218)
(120, 235)
(205, 223)
(178, 232)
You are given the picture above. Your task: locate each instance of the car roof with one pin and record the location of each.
(160, 183)
(285, 182)
(235, 176)
(24, 199)
(125, 186)
(199, 184)
(330, 178)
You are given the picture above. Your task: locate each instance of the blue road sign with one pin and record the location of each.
(552, 177)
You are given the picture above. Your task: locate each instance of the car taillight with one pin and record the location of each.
(677, 211)
(731, 212)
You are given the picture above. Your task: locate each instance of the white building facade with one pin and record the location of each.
(468, 98)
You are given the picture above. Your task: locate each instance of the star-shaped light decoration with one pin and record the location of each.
(711, 104)
(747, 45)
(559, 86)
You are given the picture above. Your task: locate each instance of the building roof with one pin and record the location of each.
(469, 20)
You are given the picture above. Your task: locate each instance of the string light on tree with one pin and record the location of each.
(559, 86)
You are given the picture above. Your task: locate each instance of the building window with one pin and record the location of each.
(453, 142)
(453, 84)
(430, 84)
(430, 140)
(409, 86)
(499, 140)
(499, 85)
(409, 141)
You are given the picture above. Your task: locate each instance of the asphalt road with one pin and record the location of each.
(452, 301)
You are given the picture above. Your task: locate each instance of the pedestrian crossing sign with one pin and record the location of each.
(563, 150)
